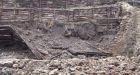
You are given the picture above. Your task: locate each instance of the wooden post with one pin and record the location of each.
(40, 10)
(31, 15)
(54, 15)
(15, 6)
(1, 8)
(66, 3)
(78, 13)
(73, 14)
(92, 12)
(68, 16)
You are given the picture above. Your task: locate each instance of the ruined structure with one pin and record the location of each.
(73, 37)
(50, 27)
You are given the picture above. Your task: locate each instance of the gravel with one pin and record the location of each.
(75, 66)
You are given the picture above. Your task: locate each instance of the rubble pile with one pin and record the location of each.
(93, 66)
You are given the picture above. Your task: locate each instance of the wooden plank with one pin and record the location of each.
(6, 37)
(5, 32)
(14, 20)
(51, 9)
(4, 26)
(38, 53)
